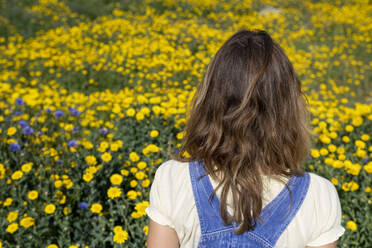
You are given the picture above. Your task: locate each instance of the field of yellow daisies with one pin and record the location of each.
(93, 93)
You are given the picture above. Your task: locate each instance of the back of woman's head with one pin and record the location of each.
(248, 118)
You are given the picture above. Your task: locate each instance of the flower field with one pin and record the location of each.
(94, 93)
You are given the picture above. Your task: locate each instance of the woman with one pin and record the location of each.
(239, 179)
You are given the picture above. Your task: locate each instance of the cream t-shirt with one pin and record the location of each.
(317, 222)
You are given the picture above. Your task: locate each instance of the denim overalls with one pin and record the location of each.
(215, 234)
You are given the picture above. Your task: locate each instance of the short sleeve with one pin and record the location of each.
(327, 213)
(158, 209)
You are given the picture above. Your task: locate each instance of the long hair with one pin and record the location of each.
(248, 118)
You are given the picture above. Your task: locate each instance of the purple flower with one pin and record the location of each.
(22, 123)
(48, 110)
(74, 111)
(28, 130)
(72, 143)
(75, 130)
(365, 160)
(58, 113)
(17, 113)
(309, 157)
(15, 147)
(59, 161)
(19, 101)
(83, 205)
(103, 131)
(39, 134)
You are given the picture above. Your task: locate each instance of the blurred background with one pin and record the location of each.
(94, 92)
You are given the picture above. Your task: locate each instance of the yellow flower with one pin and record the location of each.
(353, 169)
(345, 139)
(120, 237)
(324, 139)
(50, 208)
(116, 179)
(361, 153)
(12, 216)
(360, 144)
(52, 246)
(180, 135)
(334, 180)
(186, 154)
(58, 183)
(27, 222)
(124, 172)
(141, 206)
(106, 157)
(353, 186)
(8, 201)
(150, 148)
(337, 164)
(146, 229)
(91, 160)
(140, 175)
(333, 135)
(131, 194)
(368, 167)
(73, 164)
(323, 151)
(87, 177)
(12, 228)
(66, 210)
(114, 147)
(332, 148)
(114, 192)
(2, 171)
(341, 157)
(315, 153)
(133, 183)
(68, 183)
(357, 121)
(73, 246)
(136, 215)
(154, 133)
(17, 175)
(134, 156)
(27, 167)
(96, 208)
(146, 183)
(130, 112)
(364, 137)
(140, 116)
(11, 131)
(141, 165)
(349, 128)
(368, 189)
(118, 229)
(87, 144)
(351, 225)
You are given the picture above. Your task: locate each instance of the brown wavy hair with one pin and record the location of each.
(248, 118)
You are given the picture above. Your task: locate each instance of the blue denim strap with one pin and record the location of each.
(274, 214)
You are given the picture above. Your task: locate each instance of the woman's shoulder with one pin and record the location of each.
(171, 193)
(172, 177)
(320, 185)
(172, 164)
(172, 169)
